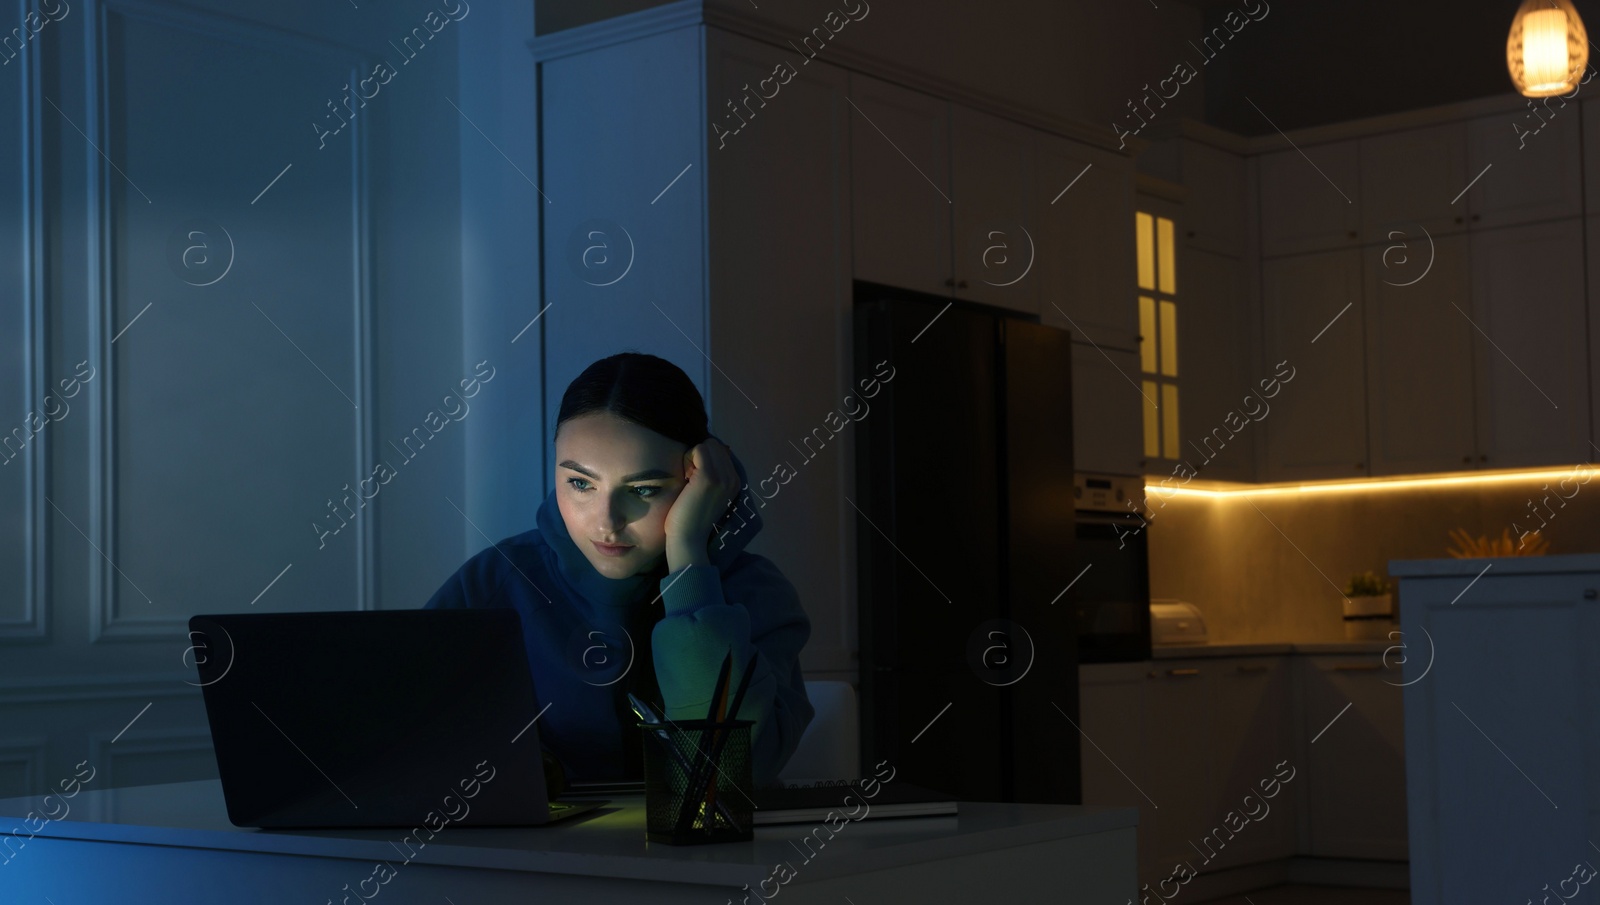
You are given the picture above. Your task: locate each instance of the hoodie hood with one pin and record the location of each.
(725, 545)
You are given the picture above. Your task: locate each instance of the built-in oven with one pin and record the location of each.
(1110, 596)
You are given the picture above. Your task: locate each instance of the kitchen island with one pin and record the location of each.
(1502, 725)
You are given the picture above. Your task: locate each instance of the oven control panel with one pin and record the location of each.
(1107, 493)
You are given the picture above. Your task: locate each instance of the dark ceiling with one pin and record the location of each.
(1303, 62)
(1312, 62)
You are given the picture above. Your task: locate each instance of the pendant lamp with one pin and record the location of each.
(1547, 49)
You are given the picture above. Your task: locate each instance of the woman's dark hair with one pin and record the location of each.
(648, 391)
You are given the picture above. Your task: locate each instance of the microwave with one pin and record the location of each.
(1110, 595)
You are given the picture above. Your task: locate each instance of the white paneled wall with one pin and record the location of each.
(216, 322)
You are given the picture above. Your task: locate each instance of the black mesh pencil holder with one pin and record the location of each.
(676, 757)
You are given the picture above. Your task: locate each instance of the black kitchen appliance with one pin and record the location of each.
(1110, 596)
(965, 532)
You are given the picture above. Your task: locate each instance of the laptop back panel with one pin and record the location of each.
(405, 718)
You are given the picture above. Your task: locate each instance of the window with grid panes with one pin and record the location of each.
(1158, 333)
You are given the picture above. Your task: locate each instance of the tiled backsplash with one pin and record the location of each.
(1265, 567)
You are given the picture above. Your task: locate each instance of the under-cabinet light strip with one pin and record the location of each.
(1575, 472)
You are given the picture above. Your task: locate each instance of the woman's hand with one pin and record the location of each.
(713, 482)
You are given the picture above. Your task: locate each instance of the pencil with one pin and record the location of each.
(695, 780)
(733, 714)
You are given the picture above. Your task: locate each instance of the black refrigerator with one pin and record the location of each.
(965, 530)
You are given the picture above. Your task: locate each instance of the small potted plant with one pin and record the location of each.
(1368, 607)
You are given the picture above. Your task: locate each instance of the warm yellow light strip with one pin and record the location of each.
(1451, 480)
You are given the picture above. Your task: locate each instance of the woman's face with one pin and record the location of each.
(615, 481)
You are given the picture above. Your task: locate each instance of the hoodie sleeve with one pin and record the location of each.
(753, 608)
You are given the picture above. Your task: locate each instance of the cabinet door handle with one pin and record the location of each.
(1190, 671)
(1590, 594)
(962, 284)
(950, 282)
(1357, 667)
(1243, 667)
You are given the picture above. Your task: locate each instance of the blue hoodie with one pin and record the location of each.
(582, 632)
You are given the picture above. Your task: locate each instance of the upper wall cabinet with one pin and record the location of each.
(1218, 435)
(1085, 263)
(1531, 356)
(900, 186)
(993, 187)
(1312, 322)
(1419, 356)
(943, 198)
(1215, 210)
(1526, 176)
(1308, 200)
(1105, 410)
(1479, 360)
(1591, 139)
(1493, 171)
(1592, 233)
(1412, 178)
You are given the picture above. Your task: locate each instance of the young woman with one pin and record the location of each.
(624, 585)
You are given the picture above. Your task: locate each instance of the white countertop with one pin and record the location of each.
(1497, 565)
(607, 842)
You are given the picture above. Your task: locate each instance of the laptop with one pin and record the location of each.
(407, 718)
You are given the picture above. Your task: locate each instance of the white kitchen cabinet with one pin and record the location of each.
(1530, 352)
(1410, 178)
(1481, 361)
(992, 186)
(943, 198)
(1309, 200)
(1312, 319)
(1186, 740)
(1526, 177)
(1355, 773)
(1180, 773)
(1252, 733)
(1591, 140)
(1501, 308)
(1503, 750)
(1114, 743)
(1086, 266)
(1147, 731)
(1420, 408)
(1214, 213)
(777, 309)
(1216, 368)
(1106, 409)
(1593, 235)
(900, 186)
